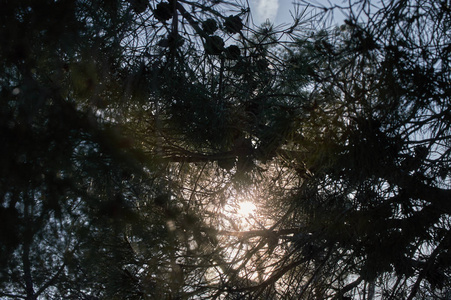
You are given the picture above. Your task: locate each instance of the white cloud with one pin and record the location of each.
(266, 9)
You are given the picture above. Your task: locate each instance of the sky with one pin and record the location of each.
(277, 11)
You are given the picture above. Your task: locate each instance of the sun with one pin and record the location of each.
(240, 212)
(246, 208)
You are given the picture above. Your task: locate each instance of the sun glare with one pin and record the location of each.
(246, 208)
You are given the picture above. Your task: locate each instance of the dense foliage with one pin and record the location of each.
(133, 131)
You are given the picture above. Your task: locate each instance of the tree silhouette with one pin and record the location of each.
(133, 130)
